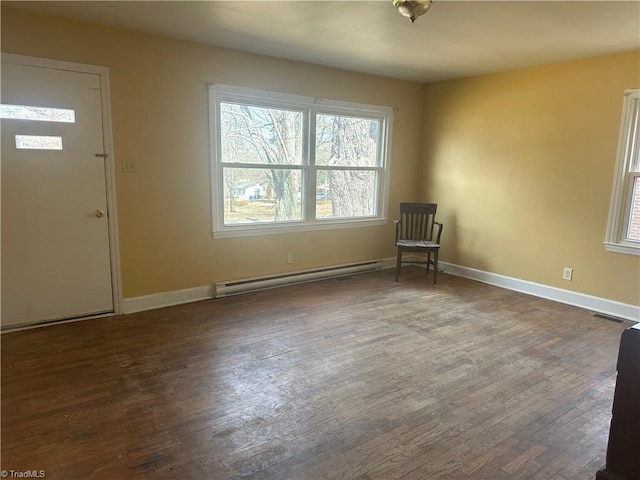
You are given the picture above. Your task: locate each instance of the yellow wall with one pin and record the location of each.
(521, 164)
(160, 120)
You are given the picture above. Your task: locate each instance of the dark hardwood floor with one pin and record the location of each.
(356, 378)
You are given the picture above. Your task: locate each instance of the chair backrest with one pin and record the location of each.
(416, 221)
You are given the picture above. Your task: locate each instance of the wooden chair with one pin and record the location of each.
(415, 233)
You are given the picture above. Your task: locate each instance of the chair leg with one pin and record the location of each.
(428, 261)
(398, 262)
(435, 266)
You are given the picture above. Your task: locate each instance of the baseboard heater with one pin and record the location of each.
(262, 283)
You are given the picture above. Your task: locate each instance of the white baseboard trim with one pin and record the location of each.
(195, 294)
(588, 302)
(167, 299)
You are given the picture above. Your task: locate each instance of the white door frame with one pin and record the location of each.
(110, 170)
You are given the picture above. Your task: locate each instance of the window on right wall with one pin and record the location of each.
(623, 228)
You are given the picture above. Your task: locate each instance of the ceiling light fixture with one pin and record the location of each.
(412, 9)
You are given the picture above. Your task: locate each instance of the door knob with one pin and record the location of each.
(99, 213)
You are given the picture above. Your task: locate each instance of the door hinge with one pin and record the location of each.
(102, 155)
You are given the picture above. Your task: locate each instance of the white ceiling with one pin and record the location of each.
(453, 39)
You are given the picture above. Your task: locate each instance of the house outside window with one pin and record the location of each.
(623, 228)
(284, 163)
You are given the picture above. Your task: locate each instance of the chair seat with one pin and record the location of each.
(417, 244)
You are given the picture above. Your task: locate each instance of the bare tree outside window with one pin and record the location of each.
(350, 143)
(284, 162)
(258, 136)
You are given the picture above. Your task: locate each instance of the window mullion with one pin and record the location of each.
(311, 165)
(275, 166)
(349, 168)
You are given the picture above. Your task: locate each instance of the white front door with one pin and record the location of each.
(55, 231)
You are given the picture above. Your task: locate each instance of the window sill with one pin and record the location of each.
(252, 230)
(629, 249)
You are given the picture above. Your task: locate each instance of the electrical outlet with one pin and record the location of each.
(128, 166)
(289, 257)
(567, 273)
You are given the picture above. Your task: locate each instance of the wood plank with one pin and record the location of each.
(365, 378)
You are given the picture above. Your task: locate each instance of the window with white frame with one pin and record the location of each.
(287, 163)
(623, 229)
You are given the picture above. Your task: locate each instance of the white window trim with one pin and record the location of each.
(628, 148)
(219, 92)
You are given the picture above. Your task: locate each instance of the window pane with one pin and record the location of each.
(633, 231)
(42, 114)
(345, 193)
(347, 141)
(260, 135)
(278, 158)
(38, 142)
(254, 195)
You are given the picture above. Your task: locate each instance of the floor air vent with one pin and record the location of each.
(607, 317)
